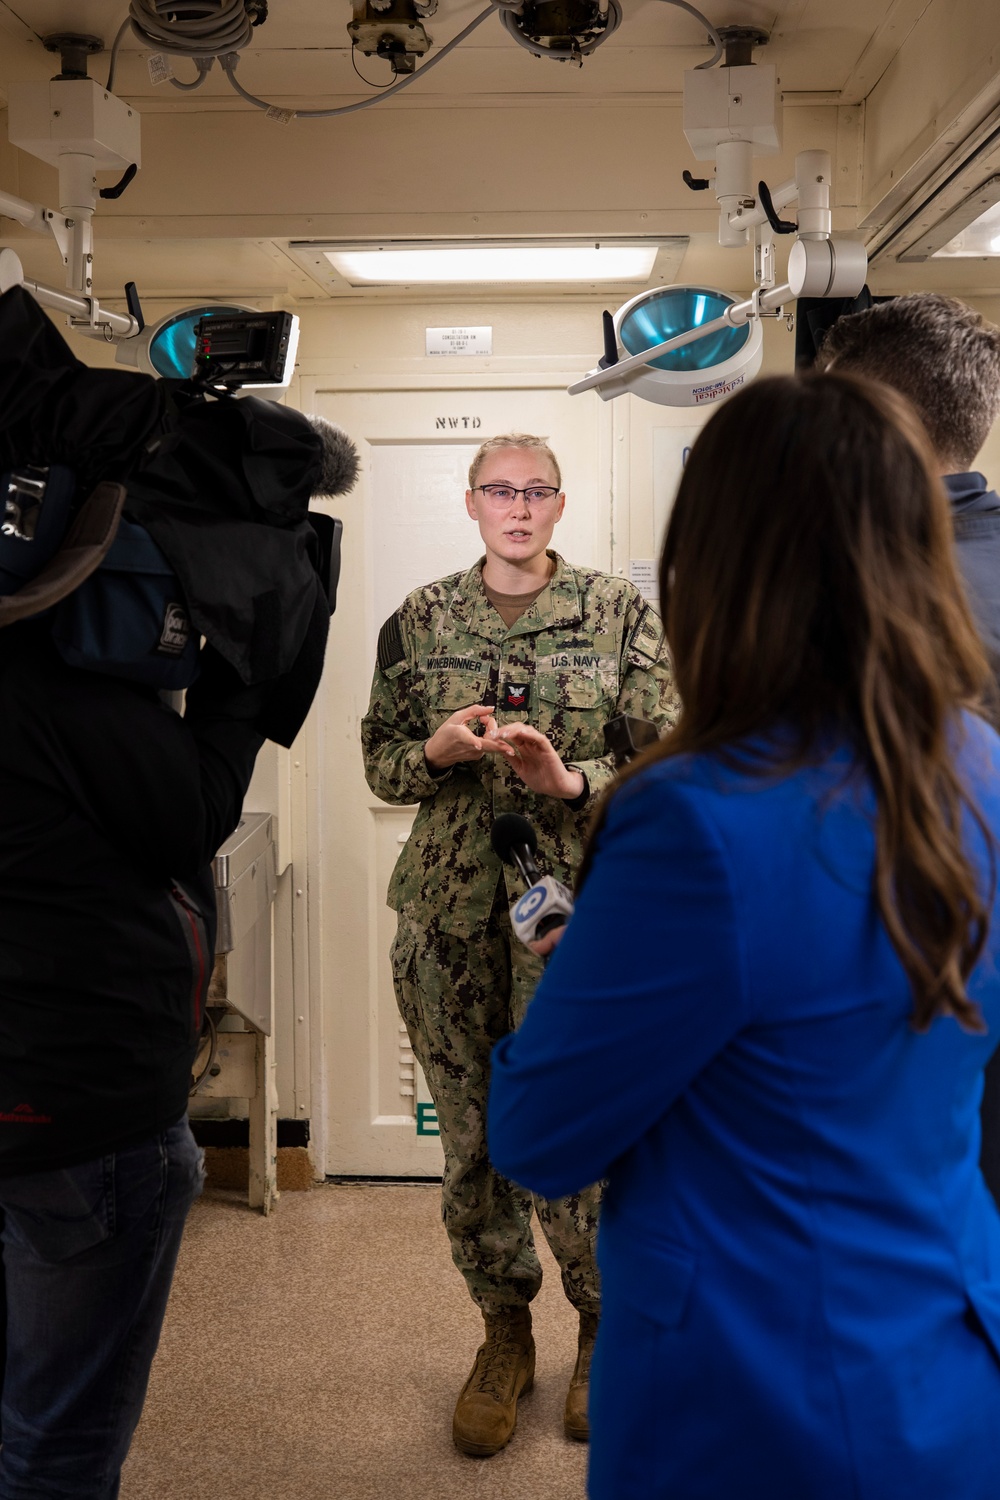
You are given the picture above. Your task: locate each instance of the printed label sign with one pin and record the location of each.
(642, 572)
(459, 340)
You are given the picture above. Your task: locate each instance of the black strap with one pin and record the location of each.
(390, 644)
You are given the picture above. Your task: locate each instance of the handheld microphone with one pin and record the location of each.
(547, 903)
(514, 839)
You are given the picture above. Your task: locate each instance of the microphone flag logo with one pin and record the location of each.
(529, 903)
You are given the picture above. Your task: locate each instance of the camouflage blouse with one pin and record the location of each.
(587, 650)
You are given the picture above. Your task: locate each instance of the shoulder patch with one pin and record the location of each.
(647, 637)
(390, 644)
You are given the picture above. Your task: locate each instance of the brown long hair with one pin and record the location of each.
(808, 580)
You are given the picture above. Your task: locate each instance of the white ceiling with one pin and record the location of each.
(301, 55)
(378, 175)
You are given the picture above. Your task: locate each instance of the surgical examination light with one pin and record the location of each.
(692, 345)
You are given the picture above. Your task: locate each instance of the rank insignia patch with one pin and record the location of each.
(514, 697)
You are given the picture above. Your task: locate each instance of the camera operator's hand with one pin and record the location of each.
(454, 740)
(538, 765)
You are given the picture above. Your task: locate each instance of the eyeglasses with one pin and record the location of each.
(503, 495)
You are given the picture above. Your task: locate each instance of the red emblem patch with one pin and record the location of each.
(514, 695)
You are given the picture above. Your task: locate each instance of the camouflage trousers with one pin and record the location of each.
(458, 997)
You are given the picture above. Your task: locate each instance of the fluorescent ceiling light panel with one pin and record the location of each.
(969, 227)
(494, 263)
(981, 237)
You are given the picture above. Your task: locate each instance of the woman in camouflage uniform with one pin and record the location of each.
(491, 693)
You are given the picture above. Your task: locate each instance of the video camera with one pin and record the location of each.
(140, 515)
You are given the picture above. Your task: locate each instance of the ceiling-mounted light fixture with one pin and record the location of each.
(74, 124)
(409, 265)
(690, 346)
(971, 230)
(698, 372)
(552, 264)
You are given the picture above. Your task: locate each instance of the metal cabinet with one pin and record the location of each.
(245, 886)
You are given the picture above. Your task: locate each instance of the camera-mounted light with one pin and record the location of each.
(246, 350)
(220, 344)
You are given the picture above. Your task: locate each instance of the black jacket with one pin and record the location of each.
(111, 809)
(223, 486)
(976, 515)
(226, 497)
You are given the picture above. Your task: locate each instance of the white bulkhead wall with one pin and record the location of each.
(359, 347)
(227, 187)
(377, 345)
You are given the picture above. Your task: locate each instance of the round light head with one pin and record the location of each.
(697, 373)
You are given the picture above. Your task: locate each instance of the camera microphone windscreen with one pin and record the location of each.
(340, 461)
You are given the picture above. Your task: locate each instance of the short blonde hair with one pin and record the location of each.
(512, 440)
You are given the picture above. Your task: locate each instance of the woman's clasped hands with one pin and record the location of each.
(527, 750)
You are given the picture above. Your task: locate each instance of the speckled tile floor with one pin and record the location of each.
(317, 1355)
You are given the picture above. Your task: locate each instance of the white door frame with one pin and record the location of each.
(345, 377)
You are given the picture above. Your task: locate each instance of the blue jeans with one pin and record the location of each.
(88, 1258)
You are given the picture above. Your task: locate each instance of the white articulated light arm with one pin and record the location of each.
(818, 266)
(84, 313)
(76, 126)
(781, 197)
(30, 215)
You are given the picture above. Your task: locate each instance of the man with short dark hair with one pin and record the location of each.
(945, 358)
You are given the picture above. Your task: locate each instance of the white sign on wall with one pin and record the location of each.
(642, 572)
(459, 340)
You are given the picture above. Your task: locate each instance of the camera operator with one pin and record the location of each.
(111, 809)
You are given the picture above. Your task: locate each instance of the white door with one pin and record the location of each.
(405, 524)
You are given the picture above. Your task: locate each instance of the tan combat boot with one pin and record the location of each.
(576, 1423)
(486, 1414)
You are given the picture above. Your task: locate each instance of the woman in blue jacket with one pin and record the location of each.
(767, 1022)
